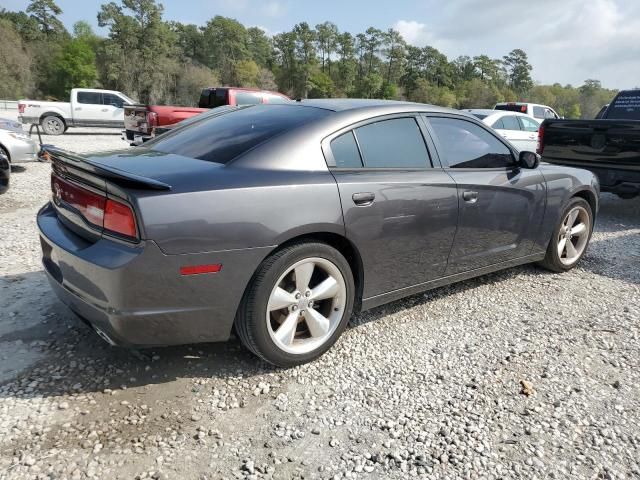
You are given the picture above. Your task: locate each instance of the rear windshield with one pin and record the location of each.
(626, 106)
(221, 138)
(512, 107)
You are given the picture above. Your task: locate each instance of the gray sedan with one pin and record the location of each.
(280, 221)
(16, 145)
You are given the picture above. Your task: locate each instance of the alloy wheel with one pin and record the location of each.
(306, 305)
(573, 235)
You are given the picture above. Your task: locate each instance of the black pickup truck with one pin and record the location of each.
(609, 146)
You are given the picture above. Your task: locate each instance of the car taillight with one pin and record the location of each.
(100, 211)
(540, 148)
(20, 107)
(152, 119)
(119, 218)
(89, 204)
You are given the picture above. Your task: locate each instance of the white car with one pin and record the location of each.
(534, 110)
(88, 107)
(519, 129)
(16, 145)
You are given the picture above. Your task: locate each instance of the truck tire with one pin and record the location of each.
(53, 125)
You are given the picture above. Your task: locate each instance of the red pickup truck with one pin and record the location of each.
(142, 121)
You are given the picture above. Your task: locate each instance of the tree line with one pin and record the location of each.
(160, 61)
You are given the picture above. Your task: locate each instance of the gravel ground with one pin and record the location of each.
(519, 374)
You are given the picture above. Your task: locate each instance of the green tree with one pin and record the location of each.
(141, 48)
(226, 43)
(260, 47)
(327, 39)
(247, 73)
(15, 63)
(74, 67)
(45, 13)
(519, 71)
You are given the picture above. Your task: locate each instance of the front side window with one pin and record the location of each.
(90, 98)
(345, 151)
(529, 124)
(113, 100)
(464, 144)
(395, 143)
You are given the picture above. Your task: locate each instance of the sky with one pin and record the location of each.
(567, 41)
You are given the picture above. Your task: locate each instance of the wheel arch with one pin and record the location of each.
(590, 198)
(6, 151)
(337, 241)
(52, 114)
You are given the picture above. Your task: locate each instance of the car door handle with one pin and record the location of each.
(105, 109)
(78, 108)
(470, 197)
(363, 199)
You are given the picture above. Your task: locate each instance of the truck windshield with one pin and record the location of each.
(626, 106)
(221, 138)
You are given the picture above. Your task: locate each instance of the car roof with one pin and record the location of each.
(345, 104)
(500, 113)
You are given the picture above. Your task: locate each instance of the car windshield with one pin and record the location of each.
(626, 106)
(221, 138)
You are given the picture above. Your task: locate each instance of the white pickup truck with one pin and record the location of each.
(88, 108)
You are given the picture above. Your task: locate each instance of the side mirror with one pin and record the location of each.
(529, 160)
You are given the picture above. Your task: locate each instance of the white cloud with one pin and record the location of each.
(567, 41)
(413, 32)
(274, 9)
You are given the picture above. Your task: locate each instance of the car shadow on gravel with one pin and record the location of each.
(445, 291)
(69, 358)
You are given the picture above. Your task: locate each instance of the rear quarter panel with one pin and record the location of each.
(244, 208)
(563, 183)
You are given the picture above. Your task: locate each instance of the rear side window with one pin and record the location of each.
(498, 124)
(395, 143)
(538, 112)
(275, 99)
(90, 98)
(467, 145)
(626, 106)
(248, 98)
(345, 151)
(221, 138)
(510, 122)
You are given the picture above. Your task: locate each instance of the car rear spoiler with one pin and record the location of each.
(49, 153)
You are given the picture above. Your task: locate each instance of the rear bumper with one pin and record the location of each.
(28, 120)
(135, 295)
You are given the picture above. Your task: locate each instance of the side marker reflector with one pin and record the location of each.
(200, 269)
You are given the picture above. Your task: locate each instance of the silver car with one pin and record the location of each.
(16, 145)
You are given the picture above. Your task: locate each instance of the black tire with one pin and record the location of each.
(251, 323)
(552, 259)
(53, 125)
(4, 152)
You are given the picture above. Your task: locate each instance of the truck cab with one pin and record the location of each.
(534, 110)
(87, 107)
